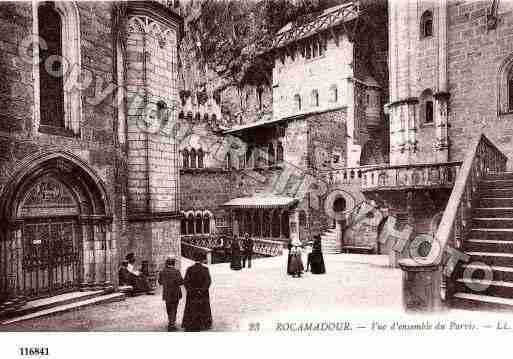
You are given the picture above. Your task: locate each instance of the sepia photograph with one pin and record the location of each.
(267, 167)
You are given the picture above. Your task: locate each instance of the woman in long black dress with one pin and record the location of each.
(235, 263)
(197, 314)
(316, 257)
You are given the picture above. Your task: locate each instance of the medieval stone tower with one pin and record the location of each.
(153, 176)
(418, 81)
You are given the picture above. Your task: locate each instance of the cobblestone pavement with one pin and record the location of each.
(263, 294)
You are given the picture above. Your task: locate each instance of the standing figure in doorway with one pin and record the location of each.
(171, 280)
(247, 245)
(289, 257)
(235, 249)
(316, 257)
(197, 315)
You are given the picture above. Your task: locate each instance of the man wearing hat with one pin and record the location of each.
(171, 280)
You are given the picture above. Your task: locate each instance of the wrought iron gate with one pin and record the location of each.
(52, 256)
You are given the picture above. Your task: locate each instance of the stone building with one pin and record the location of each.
(321, 111)
(87, 174)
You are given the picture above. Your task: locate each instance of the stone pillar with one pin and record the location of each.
(421, 285)
(441, 146)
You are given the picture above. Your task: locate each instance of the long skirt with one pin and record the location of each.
(235, 263)
(139, 282)
(197, 314)
(296, 264)
(288, 264)
(317, 263)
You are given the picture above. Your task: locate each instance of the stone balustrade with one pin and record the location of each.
(261, 246)
(350, 175)
(434, 175)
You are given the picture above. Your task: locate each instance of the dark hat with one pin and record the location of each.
(130, 256)
(199, 256)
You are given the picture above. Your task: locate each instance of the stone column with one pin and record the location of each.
(441, 146)
(421, 285)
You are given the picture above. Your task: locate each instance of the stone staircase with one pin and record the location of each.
(491, 242)
(329, 242)
(59, 304)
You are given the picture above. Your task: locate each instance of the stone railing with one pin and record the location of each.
(190, 251)
(261, 246)
(410, 176)
(350, 175)
(424, 286)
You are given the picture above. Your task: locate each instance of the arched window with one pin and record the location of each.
(279, 152)
(426, 106)
(190, 224)
(333, 93)
(426, 24)
(315, 98)
(228, 160)
(162, 114)
(185, 158)
(51, 82)
(183, 226)
(249, 157)
(199, 223)
(58, 23)
(200, 158)
(429, 111)
(193, 158)
(510, 90)
(260, 92)
(270, 154)
(206, 223)
(297, 102)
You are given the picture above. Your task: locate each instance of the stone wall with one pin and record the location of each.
(475, 56)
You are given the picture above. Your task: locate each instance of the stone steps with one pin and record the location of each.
(61, 303)
(486, 280)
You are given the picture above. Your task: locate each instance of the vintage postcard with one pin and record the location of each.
(267, 167)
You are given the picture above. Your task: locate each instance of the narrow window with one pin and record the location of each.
(50, 67)
(429, 111)
(190, 224)
(183, 226)
(162, 114)
(200, 158)
(510, 91)
(260, 92)
(206, 223)
(249, 155)
(333, 93)
(185, 158)
(315, 98)
(279, 152)
(193, 158)
(199, 224)
(228, 161)
(426, 24)
(270, 154)
(297, 102)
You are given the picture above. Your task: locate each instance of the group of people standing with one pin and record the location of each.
(247, 252)
(315, 259)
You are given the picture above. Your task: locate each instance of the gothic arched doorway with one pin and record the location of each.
(58, 237)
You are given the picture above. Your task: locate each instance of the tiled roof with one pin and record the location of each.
(328, 18)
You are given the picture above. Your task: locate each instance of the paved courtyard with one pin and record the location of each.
(263, 294)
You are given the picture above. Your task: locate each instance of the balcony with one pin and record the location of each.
(413, 176)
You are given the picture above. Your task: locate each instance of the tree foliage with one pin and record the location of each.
(230, 36)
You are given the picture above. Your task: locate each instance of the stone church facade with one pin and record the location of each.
(88, 164)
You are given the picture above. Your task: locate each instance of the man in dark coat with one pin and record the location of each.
(248, 250)
(197, 315)
(171, 280)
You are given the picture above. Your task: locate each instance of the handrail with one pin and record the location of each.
(477, 162)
